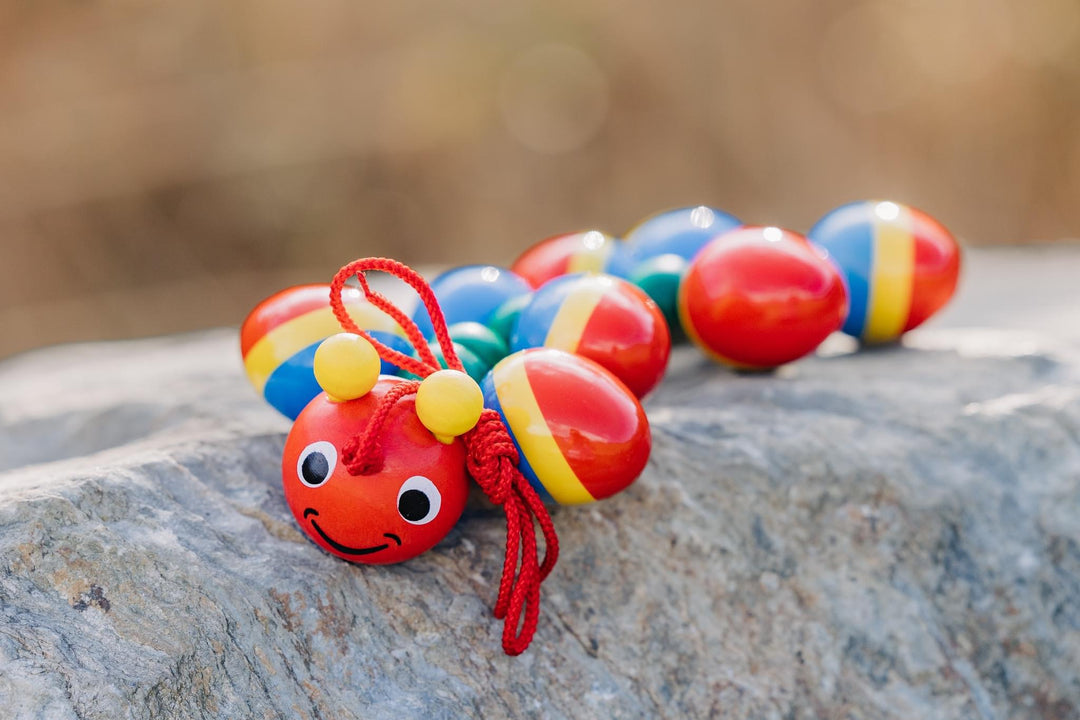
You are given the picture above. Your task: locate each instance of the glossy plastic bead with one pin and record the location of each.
(682, 232)
(659, 277)
(279, 338)
(471, 293)
(603, 318)
(582, 436)
(588, 251)
(504, 319)
(404, 508)
(484, 342)
(757, 298)
(901, 265)
(346, 366)
(449, 404)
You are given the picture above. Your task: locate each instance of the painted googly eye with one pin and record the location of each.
(418, 500)
(316, 463)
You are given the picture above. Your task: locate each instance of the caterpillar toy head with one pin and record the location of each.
(373, 469)
(408, 497)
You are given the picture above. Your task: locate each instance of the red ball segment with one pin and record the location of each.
(759, 297)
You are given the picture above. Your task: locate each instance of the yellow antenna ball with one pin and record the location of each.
(346, 366)
(449, 404)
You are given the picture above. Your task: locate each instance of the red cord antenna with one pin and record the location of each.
(491, 456)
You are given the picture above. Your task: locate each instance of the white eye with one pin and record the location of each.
(418, 500)
(316, 463)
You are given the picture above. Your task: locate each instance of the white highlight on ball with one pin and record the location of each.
(702, 217)
(887, 210)
(773, 234)
(593, 240)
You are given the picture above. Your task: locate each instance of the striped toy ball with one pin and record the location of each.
(901, 265)
(581, 435)
(279, 338)
(603, 318)
(681, 232)
(590, 251)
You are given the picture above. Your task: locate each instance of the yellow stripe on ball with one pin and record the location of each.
(449, 404)
(346, 366)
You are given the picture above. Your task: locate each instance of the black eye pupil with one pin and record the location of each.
(315, 468)
(413, 505)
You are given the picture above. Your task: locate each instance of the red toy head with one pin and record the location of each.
(400, 508)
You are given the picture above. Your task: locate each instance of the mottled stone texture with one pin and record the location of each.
(890, 534)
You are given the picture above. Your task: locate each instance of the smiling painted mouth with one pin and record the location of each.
(345, 548)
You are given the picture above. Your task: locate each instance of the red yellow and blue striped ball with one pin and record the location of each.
(279, 338)
(603, 318)
(570, 253)
(900, 264)
(581, 435)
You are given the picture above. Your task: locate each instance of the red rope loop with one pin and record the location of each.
(362, 453)
(493, 462)
(427, 363)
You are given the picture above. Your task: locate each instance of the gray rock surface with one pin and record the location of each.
(887, 534)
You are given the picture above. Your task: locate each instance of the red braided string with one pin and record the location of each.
(493, 462)
(362, 454)
(492, 458)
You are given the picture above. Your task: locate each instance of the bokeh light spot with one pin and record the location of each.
(554, 98)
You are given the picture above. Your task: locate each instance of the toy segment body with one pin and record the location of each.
(757, 298)
(581, 433)
(602, 318)
(590, 251)
(660, 278)
(901, 266)
(279, 338)
(683, 232)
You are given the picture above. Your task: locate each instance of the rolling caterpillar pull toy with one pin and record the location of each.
(376, 467)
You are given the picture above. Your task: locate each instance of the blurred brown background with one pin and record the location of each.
(163, 166)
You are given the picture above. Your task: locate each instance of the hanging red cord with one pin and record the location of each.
(491, 456)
